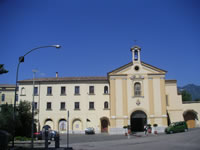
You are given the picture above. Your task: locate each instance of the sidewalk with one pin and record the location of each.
(39, 144)
(142, 134)
(97, 145)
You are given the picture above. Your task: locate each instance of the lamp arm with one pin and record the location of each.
(39, 48)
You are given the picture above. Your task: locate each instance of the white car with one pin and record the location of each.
(89, 130)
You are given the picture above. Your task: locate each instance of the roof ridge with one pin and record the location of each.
(83, 78)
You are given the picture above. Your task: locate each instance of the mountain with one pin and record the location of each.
(194, 90)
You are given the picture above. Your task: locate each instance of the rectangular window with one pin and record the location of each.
(137, 93)
(17, 97)
(167, 101)
(48, 105)
(76, 106)
(3, 97)
(63, 90)
(49, 90)
(91, 89)
(62, 106)
(91, 105)
(77, 90)
(35, 90)
(35, 105)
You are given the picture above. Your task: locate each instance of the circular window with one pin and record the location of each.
(137, 68)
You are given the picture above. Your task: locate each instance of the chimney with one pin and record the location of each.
(56, 74)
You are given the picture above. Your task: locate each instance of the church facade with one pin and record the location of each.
(135, 94)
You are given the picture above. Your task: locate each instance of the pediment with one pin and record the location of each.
(144, 68)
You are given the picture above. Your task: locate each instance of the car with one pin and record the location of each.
(41, 135)
(38, 135)
(176, 127)
(53, 134)
(89, 130)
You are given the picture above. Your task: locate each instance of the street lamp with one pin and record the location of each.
(33, 108)
(21, 59)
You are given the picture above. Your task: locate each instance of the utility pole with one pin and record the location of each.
(33, 108)
(68, 148)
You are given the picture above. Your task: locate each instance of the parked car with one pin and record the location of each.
(177, 127)
(41, 135)
(89, 130)
(53, 134)
(38, 135)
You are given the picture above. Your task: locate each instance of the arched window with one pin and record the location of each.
(136, 55)
(23, 91)
(105, 89)
(106, 105)
(137, 89)
(62, 125)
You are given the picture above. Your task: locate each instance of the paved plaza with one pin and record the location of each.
(179, 141)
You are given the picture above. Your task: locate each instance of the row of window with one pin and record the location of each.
(3, 97)
(137, 90)
(63, 90)
(76, 106)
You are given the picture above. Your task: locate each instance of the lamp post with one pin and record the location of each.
(21, 59)
(33, 108)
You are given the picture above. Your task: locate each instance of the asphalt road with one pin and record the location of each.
(180, 141)
(81, 138)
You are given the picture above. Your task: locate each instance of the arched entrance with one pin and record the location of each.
(77, 126)
(138, 120)
(104, 124)
(62, 125)
(190, 116)
(49, 122)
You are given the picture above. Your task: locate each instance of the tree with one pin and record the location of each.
(186, 96)
(22, 122)
(2, 70)
(6, 118)
(25, 119)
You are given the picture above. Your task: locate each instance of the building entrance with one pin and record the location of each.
(138, 120)
(104, 124)
(190, 116)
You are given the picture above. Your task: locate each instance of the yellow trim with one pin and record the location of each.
(142, 86)
(125, 100)
(112, 102)
(171, 109)
(118, 76)
(151, 100)
(163, 100)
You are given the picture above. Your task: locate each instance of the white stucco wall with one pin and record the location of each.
(175, 107)
(84, 98)
(195, 107)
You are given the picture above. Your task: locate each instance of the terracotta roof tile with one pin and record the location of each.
(7, 85)
(66, 79)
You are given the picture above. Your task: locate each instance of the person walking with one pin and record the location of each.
(145, 130)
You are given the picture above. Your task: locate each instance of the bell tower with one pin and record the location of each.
(136, 54)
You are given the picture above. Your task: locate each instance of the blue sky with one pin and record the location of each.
(96, 36)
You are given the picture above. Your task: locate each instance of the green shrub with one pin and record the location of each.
(22, 138)
(155, 125)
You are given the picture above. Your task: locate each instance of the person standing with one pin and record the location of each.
(145, 129)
